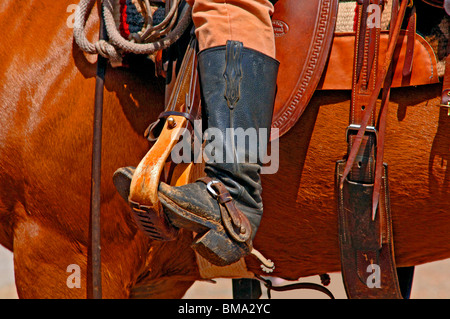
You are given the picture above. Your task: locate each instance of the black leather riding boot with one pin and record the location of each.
(238, 92)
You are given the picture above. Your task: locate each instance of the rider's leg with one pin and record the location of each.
(238, 75)
(217, 21)
(238, 81)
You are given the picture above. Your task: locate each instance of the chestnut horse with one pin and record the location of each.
(47, 94)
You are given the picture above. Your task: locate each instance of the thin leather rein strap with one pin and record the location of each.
(373, 98)
(96, 172)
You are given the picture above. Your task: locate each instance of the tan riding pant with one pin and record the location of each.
(247, 21)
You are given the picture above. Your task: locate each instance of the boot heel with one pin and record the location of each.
(218, 248)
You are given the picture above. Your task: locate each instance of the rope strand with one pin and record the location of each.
(117, 45)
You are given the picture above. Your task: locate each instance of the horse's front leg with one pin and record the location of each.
(48, 264)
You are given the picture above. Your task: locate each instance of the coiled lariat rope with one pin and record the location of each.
(147, 41)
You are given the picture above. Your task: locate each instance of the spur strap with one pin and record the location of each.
(234, 221)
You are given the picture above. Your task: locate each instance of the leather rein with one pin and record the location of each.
(96, 171)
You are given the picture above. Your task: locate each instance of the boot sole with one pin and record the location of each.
(212, 243)
(182, 218)
(122, 180)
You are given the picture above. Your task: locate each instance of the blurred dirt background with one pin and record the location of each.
(431, 281)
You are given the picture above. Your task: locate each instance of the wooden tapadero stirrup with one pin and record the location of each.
(365, 223)
(183, 107)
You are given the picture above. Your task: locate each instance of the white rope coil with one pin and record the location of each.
(116, 45)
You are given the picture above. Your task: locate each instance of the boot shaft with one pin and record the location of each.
(238, 93)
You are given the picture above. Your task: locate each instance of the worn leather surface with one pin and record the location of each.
(338, 73)
(364, 242)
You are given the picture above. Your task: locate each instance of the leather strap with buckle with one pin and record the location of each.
(234, 221)
(365, 224)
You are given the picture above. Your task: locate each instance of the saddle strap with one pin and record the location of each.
(367, 110)
(365, 226)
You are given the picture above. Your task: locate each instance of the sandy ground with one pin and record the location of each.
(431, 281)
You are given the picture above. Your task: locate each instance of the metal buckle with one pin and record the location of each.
(356, 127)
(211, 190)
(447, 106)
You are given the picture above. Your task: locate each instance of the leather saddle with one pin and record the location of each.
(314, 57)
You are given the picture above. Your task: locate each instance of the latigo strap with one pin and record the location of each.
(365, 224)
